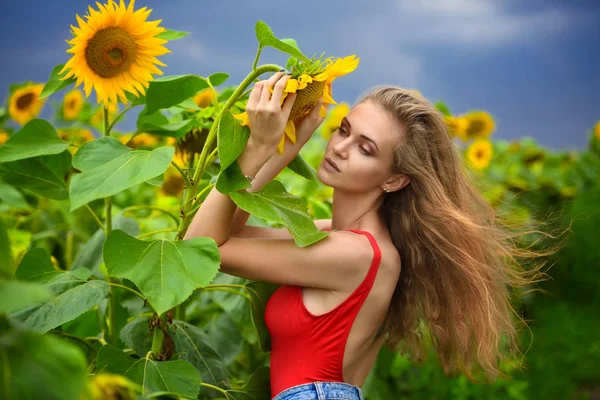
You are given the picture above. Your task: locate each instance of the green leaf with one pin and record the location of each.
(265, 37)
(218, 78)
(36, 138)
(54, 83)
(44, 175)
(166, 272)
(225, 337)
(135, 100)
(6, 260)
(40, 367)
(194, 346)
(303, 168)
(172, 35)
(176, 129)
(260, 292)
(232, 179)
(136, 335)
(232, 138)
(189, 104)
(443, 108)
(171, 376)
(12, 199)
(258, 387)
(104, 173)
(17, 295)
(171, 90)
(275, 204)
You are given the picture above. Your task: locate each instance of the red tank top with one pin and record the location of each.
(309, 348)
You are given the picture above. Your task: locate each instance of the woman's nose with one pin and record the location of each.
(340, 148)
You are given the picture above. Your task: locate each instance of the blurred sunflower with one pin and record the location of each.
(204, 98)
(479, 154)
(106, 386)
(514, 147)
(141, 140)
(24, 103)
(457, 126)
(72, 104)
(310, 81)
(98, 116)
(480, 125)
(114, 50)
(174, 183)
(334, 120)
(597, 130)
(3, 137)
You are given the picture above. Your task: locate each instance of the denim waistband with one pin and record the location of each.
(321, 391)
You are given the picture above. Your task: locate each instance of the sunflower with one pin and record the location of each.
(480, 125)
(457, 126)
(4, 136)
(204, 98)
(140, 140)
(479, 154)
(174, 182)
(597, 130)
(72, 104)
(108, 386)
(334, 120)
(114, 50)
(24, 103)
(310, 81)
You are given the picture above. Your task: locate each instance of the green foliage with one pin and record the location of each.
(38, 137)
(55, 84)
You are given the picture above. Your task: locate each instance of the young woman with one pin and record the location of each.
(413, 248)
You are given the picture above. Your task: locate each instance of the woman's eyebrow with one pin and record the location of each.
(345, 120)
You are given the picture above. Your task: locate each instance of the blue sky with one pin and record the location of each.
(534, 65)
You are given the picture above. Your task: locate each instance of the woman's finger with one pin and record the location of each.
(266, 93)
(288, 103)
(278, 90)
(254, 98)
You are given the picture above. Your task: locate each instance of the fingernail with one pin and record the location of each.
(282, 70)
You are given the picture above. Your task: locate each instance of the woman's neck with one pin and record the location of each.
(355, 210)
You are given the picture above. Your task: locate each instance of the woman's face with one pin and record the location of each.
(362, 149)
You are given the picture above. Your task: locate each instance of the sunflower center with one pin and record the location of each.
(479, 154)
(110, 52)
(476, 126)
(306, 99)
(24, 101)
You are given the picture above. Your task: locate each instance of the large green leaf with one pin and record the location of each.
(258, 387)
(218, 78)
(12, 199)
(72, 294)
(54, 83)
(6, 260)
(224, 336)
(166, 272)
(136, 335)
(37, 138)
(176, 129)
(232, 138)
(17, 295)
(171, 376)
(104, 173)
(302, 168)
(275, 204)
(171, 90)
(232, 179)
(265, 37)
(194, 346)
(40, 367)
(172, 35)
(44, 175)
(260, 292)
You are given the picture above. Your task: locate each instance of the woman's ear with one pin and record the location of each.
(396, 182)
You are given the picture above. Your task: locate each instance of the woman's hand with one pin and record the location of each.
(266, 114)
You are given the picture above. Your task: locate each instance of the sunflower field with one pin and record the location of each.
(101, 298)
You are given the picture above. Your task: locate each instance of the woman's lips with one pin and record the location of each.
(331, 165)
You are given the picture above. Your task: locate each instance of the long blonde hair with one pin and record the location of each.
(459, 262)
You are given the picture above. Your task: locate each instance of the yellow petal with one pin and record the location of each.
(280, 145)
(290, 131)
(291, 86)
(322, 111)
(243, 118)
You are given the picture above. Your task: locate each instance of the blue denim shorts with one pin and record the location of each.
(321, 391)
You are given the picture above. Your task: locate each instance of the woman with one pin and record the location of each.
(412, 244)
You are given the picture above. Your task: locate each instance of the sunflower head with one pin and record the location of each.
(457, 126)
(480, 125)
(174, 182)
(4, 136)
(204, 98)
(141, 140)
(114, 51)
(108, 386)
(72, 104)
(334, 119)
(479, 154)
(24, 103)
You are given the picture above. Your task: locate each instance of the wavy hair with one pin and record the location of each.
(460, 263)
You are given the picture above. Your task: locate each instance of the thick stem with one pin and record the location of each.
(69, 250)
(159, 336)
(183, 174)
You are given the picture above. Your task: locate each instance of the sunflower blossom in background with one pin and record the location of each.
(334, 120)
(310, 81)
(597, 130)
(24, 103)
(204, 98)
(480, 125)
(114, 51)
(457, 126)
(72, 104)
(479, 154)
(4, 136)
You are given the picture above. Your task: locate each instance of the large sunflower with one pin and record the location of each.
(114, 50)
(334, 120)
(479, 154)
(72, 104)
(480, 125)
(310, 81)
(24, 103)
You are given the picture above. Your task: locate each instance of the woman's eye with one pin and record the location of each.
(364, 151)
(342, 131)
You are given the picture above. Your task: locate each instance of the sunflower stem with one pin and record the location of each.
(119, 116)
(183, 174)
(95, 217)
(158, 336)
(203, 160)
(256, 58)
(214, 93)
(112, 301)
